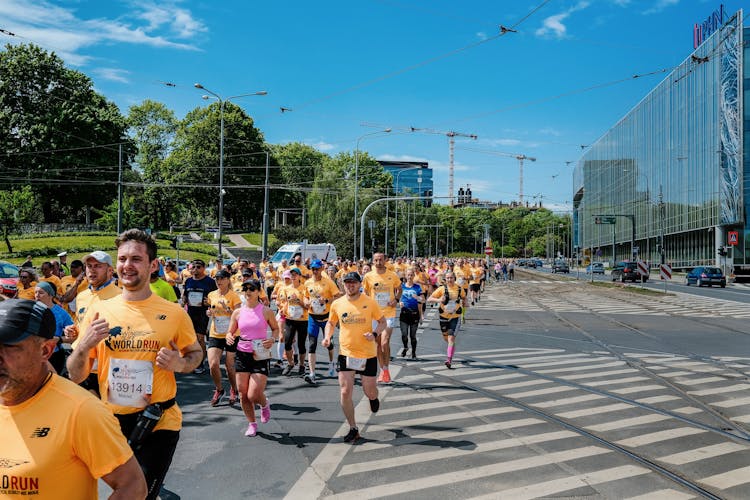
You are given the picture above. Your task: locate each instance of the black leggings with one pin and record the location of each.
(409, 331)
(300, 329)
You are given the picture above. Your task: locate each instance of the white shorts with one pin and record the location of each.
(389, 323)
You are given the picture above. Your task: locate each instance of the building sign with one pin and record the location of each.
(733, 238)
(705, 29)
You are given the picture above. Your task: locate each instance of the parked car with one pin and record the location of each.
(595, 268)
(706, 275)
(560, 266)
(539, 262)
(627, 270)
(8, 279)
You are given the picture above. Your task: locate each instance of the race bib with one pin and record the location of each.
(270, 282)
(450, 307)
(382, 298)
(259, 352)
(357, 364)
(295, 312)
(221, 323)
(130, 382)
(318, 307)
(461, 281)
(195, 299)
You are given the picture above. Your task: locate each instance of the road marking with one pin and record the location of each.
(431, 406)
(420, 394)
(527, 383)
(568, 401)
(732, 403)
(729, 479)
(413, 422)
(542, 392)
(655, 437)
(314, 479)
(642, 388)
(697, 454)
(582, 367)
(626, 380)
(442, 435)
(493, 378)
(663, 495)
(446, 453)
(721, 390)
(596, 410)
(471, 473)
(627, 422)
(600, 374)
(696, 381)
(557, 486)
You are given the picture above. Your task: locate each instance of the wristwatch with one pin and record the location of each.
(375, 334)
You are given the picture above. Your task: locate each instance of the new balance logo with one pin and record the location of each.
(40, 432)
(162, 317)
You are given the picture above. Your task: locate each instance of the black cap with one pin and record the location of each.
(222, 274)
(19, 319)
(352, 276)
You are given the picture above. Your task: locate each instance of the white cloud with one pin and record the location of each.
(503, 142)
(660, 5)
(112, 74)
(65, 32)
(323, 146)
(435, 165)
(553, 25)
(482, 35)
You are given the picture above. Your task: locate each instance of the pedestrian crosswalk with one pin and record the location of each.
(457, 442)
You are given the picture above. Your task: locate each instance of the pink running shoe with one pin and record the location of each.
(265, 412)
(252, 429)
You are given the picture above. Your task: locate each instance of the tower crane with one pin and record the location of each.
(451, 134)
(519, 157)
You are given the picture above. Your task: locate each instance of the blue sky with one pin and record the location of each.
(350, 68)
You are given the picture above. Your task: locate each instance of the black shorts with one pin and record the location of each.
(371, 366)
(200, 322)
(475, 287)
(217, 343)
(244, 362)
(448, 326)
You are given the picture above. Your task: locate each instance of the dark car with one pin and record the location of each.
(706, 275)
(8, 279)
(560, 266)
(627, 270)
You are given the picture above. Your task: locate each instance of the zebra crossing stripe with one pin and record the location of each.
(627, 422)
(663, 495)
(431, 406)
(413, 422)
(705, 452)
(659, 436)
(470, 473)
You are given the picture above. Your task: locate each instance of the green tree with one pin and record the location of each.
(299, 164)
(16, 207)
(56, 133)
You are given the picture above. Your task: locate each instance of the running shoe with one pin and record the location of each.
(232, 397)
(331, 370)
(200, 370)
(217, 397)
(448, 363)
(374, 405)
(352, 436)
(413, 354)
(301, 371)
(278, 364)
(403, 352)
(386, 376)
(310, 379)
(287, 370)
(252, 429)
(265, 412)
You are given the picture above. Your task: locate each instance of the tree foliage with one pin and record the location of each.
(16, 207)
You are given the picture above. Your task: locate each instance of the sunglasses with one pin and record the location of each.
(249, 289)
(24, 276)
(197, 266)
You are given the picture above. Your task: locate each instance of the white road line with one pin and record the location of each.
(469, 474)
(527, 383)
(493, 378)
(732, 403)
(413, 422)
(655, 437)
(412, 394)
(568, 401)
(696, 381)
(556, 486)
(582, 367)
(630, 390)
(542, 392)
(466, 431)
(600, 374)
(596, 410)
(721, 390)
(431, 406)
(728, 479)
(627, 422)
(312, 482)
(450, 453)
(697, 454)
(688, 410)
(555, 363)
(626, 380)
(663, 495)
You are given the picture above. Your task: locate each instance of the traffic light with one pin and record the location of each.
(722, 251)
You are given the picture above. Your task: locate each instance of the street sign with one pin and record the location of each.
(665, 272)
(733, 238)
(604, 219)
(642, 268)
(488, 250)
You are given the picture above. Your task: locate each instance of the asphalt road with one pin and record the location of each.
(552, 382)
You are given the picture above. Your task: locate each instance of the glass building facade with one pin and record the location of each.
(673, 169)
(409, 178)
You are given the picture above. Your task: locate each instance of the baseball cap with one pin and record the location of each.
(222, 274)
(247, 272)
(352, 277)
(286, 274)
(19, 319)
(316, 264)
(295, 270)
(99, 256)
(47, 288)
(62, 254)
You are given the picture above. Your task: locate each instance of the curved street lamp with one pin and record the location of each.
(356, 181)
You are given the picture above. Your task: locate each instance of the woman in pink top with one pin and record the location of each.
(248, 327)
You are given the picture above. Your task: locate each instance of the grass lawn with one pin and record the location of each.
(257, 238)
(80, 244)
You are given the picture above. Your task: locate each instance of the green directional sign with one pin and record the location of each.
(604, 219)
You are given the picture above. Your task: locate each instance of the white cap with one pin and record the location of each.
(62, 254)
(99, 256)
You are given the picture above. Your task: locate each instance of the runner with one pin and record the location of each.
(452, 300)
(139, 340)
(44, 294)
(385, 287)
(26, 283)
(250, 325)
(476, 275)
(412, 296)
(320, 292)
(82, 439)
(222, 302)
(355, 314)
(295, 313)
(197, 288)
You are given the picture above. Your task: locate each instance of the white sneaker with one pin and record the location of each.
(331, 370)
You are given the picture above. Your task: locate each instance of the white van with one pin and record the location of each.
(322, 251)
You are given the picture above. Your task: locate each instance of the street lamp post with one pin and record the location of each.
(356, 182)
(223, 101)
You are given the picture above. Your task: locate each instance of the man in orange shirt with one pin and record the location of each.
(385, 287)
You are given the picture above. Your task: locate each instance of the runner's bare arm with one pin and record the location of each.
(127, 481)
(79, 364)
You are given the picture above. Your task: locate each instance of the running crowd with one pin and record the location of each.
(120, 331)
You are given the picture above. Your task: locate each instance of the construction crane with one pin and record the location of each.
(519, 157)
(451, 146)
